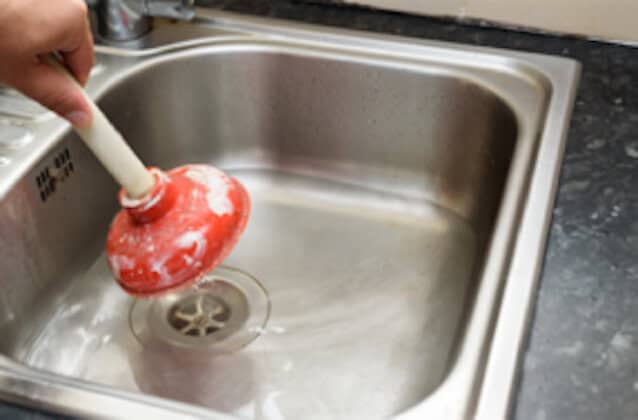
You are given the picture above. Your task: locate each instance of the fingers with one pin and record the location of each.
(80, 60)
(68, 33)
(30, 29)
(78, 55)
(56, 92)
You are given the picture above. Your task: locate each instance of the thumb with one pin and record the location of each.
(56, 92)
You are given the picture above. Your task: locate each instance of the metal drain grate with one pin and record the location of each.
(224, 312)
(199, 315)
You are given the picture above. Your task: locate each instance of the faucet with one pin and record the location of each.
(124, 20)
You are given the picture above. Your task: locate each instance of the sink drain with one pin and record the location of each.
(199, 315)
(222, 313)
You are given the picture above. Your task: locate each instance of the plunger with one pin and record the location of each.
(174, 226)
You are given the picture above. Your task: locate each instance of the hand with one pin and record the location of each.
(29, 29)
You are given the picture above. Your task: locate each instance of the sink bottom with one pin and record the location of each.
(367, 293)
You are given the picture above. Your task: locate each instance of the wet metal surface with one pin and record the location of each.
(349, 230)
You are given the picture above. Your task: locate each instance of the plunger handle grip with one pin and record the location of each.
(109, 147)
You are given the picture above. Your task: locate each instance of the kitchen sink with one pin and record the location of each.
(401, 194)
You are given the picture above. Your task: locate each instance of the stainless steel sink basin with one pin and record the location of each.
(401, 193)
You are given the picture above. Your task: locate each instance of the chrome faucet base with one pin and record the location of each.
(125, 20)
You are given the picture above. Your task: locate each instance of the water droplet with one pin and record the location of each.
(596, 144)
(631, 149)
(15, 137)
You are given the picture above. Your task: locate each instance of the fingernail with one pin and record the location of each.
(78, 118)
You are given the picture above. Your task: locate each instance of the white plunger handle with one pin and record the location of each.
(110, 148)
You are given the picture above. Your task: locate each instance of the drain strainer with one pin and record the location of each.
(199, 315)
(222, 313)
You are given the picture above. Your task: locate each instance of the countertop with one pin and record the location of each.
(582, 356)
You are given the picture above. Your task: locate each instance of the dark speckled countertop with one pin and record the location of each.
(582, 360)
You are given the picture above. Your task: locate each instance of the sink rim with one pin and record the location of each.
(558, 76)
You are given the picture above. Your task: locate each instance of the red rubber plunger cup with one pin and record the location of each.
(184, 227)
(185, 223)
